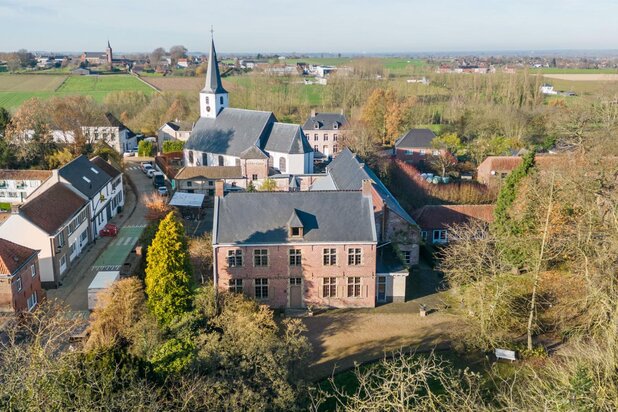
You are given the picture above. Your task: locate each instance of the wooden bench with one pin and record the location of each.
(506, 354)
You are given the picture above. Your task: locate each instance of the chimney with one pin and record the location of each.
(219, 188)
(313, 113)
(342, 112)
(366, 187)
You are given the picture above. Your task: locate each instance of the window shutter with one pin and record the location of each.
(366, 291)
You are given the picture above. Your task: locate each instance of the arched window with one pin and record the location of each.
(220, 160)
(282, 164)
(190, 157)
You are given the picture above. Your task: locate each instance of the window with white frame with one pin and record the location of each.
(32, 301)
(326, 137)
(424, 234)
(329, 287)
(235, 286)
(315, 137)
(354, 287)
(295, 257)
(422, 152)
(63, 263)
(260, 257)
(335, 137)
(440, 236)
(84, 236)
(234, 258)
(18, 284)
(406, 256)
(33, 270)
(261, 288)
(330, 257)
(436, 153)
(354, 256)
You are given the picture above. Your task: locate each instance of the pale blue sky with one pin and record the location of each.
(356, 26)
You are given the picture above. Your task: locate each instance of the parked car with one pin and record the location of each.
(150, 172)
(163, 191)
(146, 166)
(158, 179)
(109, 230)
(130, 153)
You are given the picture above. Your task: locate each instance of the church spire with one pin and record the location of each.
(213, 77)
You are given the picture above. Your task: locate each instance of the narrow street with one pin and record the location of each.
(74, 288)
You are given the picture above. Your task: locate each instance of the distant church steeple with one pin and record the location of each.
(108, 55)
(213, 97)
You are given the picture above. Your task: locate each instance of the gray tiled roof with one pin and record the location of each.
(231, 132)
(242, 133)
(75, 171)
(263, 217)
(348, 173)
(325, 121)
(287, 138)
(416, 138)
(180, 125)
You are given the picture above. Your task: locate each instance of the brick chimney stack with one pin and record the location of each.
(219, 188)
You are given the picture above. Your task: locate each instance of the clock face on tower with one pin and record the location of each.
(207, 108)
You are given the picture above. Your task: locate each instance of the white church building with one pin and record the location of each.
(250, 139)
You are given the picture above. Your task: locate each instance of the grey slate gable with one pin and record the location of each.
(75, 171)
(348, 173)
(325, 121)
(416, 138)
(287, 138)
(232, 132)
(264, 217)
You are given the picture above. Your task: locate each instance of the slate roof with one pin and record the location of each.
(209, 172)
(347, 173)
(213, 77)
(443, 216)
(263, 217)
(180, 125)
(106, 166)
(78, 170)
(231, 132)
(13, 256)
(416, 138)
(53, 208)
(287, 138)
(13, 174)
(325, 121)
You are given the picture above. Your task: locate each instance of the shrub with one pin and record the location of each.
(171, 146)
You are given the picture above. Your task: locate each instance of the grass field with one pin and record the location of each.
(16, 89)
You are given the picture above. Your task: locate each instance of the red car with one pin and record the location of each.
(109, 230)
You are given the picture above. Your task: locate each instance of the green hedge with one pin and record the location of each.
(173, 146)
(4, 206)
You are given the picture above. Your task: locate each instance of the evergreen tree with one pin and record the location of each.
(169, 284)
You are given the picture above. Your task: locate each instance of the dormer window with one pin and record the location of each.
(316, 125)
(335, 125)
(295, 225)
(86, 179)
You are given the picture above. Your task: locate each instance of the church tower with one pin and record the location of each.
(213, 97)
(108, 54)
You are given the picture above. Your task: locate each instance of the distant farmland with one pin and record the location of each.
(16, 88)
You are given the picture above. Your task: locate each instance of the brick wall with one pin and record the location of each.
(13, 300)
(312, 272)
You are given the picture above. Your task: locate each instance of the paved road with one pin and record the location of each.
(74, 288)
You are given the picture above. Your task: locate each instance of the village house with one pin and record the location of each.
(435, 220)
(17, 185)
(106, 128)
(494, 169)
(20, 280)
(251, 139)
(202, 179)
(100, 183)
(324, 132)
(416, 147)
(393, 223)
(53, 221)
(176, 130)
(296, 249)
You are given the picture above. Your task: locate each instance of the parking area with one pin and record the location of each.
(116, 252)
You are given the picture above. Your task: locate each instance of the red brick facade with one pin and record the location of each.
(354, 285)
(17, 289)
